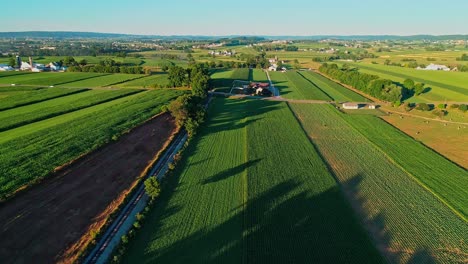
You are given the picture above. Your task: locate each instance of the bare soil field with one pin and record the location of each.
(52, 222)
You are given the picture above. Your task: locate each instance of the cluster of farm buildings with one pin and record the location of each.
(34, 67)
(274, 65)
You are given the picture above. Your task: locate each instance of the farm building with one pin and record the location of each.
(4, 67)
(350, 106)
(435, 67)
(371, 106)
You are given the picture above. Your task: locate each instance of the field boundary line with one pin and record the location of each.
(409, 174)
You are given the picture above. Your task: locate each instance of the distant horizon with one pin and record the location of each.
(243, 17)
(233, 35)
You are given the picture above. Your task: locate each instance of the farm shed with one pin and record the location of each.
(350, 106)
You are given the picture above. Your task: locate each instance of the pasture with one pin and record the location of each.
(406, 222)
(250, 199)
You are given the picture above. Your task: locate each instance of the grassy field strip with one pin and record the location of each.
(451, 88)
(35, 96)
(294, 86)
(48, 123)
(333, 89)
(242, 74)
(49, 78)
(105, 80)
(36, 112)
(405, 221)
(221, 80)
(259, 76)
(444, 178)
(35, 150)
(199, 212)
(294, 210)
(12, 73)
(149, 81)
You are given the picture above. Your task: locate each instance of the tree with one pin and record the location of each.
(463, 107)
(83, 62)
(441, 106)
(409, 84)
(177, 76)
(152, 187)
(418, 88)
(297, 65)
(423, 107)
(12, 62)
(69, 61)
(165, 68)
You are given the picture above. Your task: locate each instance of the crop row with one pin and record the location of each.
(441, 176)
(35, 112)
(251, 188)
(34, 96)
(292, 85)
(48, 78)
(32, 152)
(405, 221)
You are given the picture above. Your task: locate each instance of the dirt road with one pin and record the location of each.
(46, 224)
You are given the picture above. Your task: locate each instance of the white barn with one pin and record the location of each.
(350, 106)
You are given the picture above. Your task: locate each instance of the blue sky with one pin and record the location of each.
(243, 17)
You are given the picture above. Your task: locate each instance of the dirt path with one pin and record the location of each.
(49, 222)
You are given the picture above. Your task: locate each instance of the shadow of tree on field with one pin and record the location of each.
(230, 172)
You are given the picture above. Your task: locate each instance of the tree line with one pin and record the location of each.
(107, 65)
(383, 89)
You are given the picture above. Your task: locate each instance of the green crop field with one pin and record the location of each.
(450, 86)
(29, 96)
(441, 176)
(292, 85)
(105, 80)
(23, 160)
(238, 196)
(333, 89)
(259, 76)
(408, 223)
(48, 78)
(35, 112)
(242, 74)
(159, 79)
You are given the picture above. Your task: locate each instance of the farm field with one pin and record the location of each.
(445, 86)
(66, 137)
(233, 202)
(332, 89)
(446, 138)
(223, 78)
(259, 76)
(49, 78)
(292, 85)
(17, 97)
(76, 202)
(406, 222)
(159, 79)
(442, 177)
(35, 112)
(106, 80)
